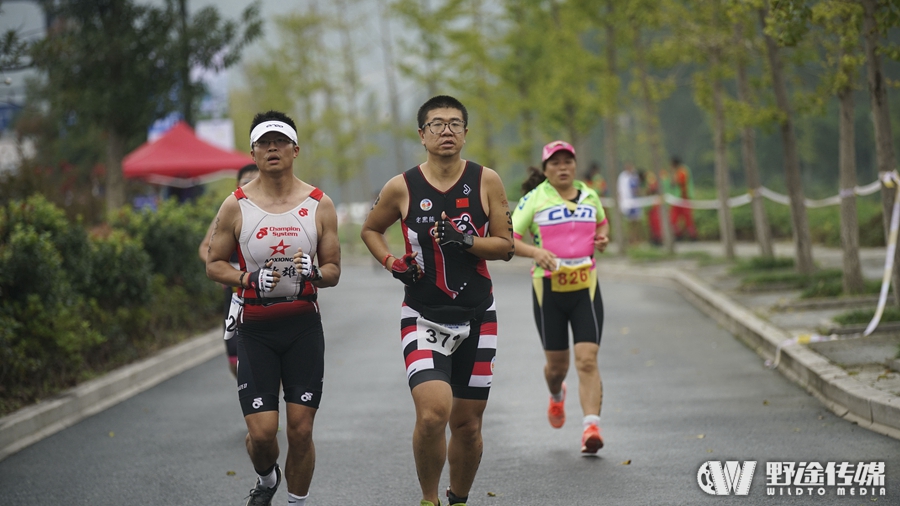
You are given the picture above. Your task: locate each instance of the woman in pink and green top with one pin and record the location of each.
(567, 225)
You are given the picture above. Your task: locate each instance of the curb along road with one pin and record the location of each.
(29, 425)
(868, 407)
(850, 399)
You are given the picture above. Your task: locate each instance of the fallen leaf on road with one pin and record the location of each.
(112, 434)
(491, 494)
(701, 436)
(627, 462)
(765, 403)
(230, 473)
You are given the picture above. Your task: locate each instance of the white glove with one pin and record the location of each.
(262, 279)
(308, 269)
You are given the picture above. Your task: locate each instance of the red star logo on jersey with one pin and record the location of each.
(280, 248)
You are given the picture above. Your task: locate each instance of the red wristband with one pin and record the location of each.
(242, 279)
(384, 261)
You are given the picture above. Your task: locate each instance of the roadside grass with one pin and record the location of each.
(647, 254)
(761, 264)
(778, 273)
(863, 316)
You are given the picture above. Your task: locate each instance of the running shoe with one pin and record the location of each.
(591, 440)
(429, 503)
(556, 413)
(262, 496)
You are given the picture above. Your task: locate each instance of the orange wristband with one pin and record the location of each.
(384, 261)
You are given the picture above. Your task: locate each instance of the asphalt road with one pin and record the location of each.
(679, 391)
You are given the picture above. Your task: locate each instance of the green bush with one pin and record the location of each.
(69, 239)
(72, 305)
(121, 270)
(44, 339)
(171, 235)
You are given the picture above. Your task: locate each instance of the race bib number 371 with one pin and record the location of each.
(443, 338)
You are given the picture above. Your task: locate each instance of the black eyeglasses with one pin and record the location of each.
(437, 127)
(280, 142)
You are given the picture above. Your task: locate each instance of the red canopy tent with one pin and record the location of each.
(180, 158)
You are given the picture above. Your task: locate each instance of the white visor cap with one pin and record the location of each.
(272, 126)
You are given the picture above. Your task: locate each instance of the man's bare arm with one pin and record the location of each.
(328, 248)
(385, 212)
(223, 242)
(203, 251)
(499, 244)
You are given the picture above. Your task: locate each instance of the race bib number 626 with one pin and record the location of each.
(443, 338)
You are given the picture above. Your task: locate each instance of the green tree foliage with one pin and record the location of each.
(317, 83)
(13, 50)
(113, 65)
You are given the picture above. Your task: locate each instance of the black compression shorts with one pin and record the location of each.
(554, 312)
(287, 352)
(430, 353)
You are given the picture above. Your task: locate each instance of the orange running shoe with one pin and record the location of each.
(556, 413)
(591, 441)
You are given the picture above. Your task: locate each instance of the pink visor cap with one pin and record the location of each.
(555, 146)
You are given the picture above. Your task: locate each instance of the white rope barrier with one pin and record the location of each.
(891, 180)
(743, 199)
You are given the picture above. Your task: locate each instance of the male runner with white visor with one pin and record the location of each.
(280, 226)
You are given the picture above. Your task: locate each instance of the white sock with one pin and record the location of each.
(591, 420)
(270, 480)
(558, 396)
(296, 500)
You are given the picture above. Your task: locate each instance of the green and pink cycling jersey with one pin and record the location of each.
(564, 227)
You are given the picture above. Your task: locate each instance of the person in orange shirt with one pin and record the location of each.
(651, 186)
(682, 218)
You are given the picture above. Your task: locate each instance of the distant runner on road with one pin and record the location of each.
(454, 215)
(281, 226)
(567, 224)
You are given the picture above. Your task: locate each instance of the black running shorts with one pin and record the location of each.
(554, 312)
(287, 352)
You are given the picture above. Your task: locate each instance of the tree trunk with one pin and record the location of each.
(387, 49)
(852, 276)
(115, 183)
(609, 140)
(751, 167)
(802, 241)
(884, 146)
(654, 137)
(726, 225)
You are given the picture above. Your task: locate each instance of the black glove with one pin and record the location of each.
(406, 270)
(446, 233)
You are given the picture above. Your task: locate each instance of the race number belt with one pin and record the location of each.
(278, 300)
(443, 338)
(571, 274)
